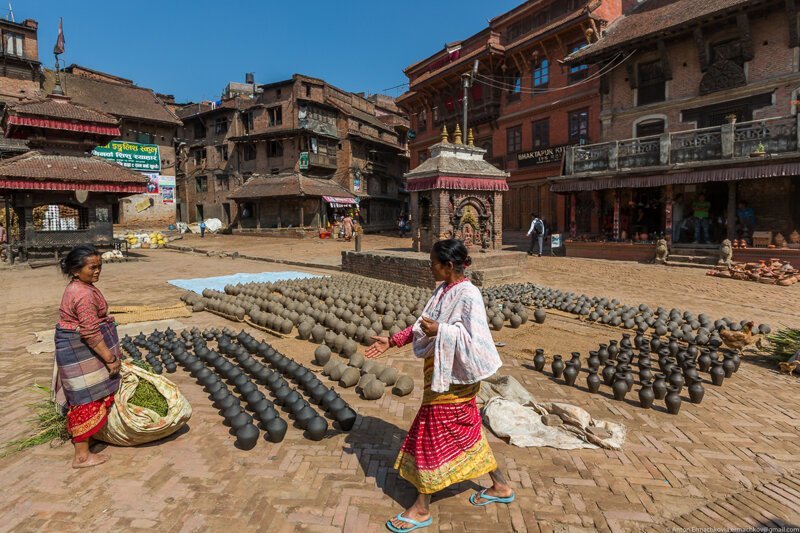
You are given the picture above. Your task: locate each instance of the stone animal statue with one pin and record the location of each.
(662, 251)
(725, 253)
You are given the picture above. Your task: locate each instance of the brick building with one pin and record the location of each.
(357, 143)
(210, 166)
(20, 70)
(699, 98)
(525, 107)
(143, 119)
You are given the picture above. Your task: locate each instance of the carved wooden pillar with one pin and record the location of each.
(616, 214)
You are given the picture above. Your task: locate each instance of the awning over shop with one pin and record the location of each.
(39, 185)
(733, 173)
(339, 201)
(101, 129)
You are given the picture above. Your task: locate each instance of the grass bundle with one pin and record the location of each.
(783, 344)
(50, 425)
(146, 395)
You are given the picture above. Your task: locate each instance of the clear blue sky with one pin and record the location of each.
(193, 48)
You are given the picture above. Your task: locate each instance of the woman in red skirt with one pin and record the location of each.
(87, 361)
(446, 444)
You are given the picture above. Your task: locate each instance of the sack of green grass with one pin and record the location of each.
(147, 407)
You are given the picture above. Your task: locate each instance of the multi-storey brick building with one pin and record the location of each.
(144, 120)
(357, 143)
(699, 98)
(210, 166)
(525, 106)
(20, 70)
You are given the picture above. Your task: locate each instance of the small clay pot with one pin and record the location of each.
(322, 355)
(346, 417)
(539, 360)
(247, 436)
(349, 377)
(276, 429)
(316, 427)
(403, 386)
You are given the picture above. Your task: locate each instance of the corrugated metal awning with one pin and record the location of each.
(340, 201)
(695, 176)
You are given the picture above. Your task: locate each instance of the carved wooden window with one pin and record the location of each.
(541, 133)
(730, 49)
(579, 127)
(650, 127)
(513, 140)
(515, 86)
(577, 72)
(541, 74)
(652, 85)
(422, 121)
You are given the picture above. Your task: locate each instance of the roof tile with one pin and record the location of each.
(36, 165)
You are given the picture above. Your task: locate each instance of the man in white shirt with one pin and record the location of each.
(536, 233)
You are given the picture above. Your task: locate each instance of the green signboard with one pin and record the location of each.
(303, 160)
(135, 156)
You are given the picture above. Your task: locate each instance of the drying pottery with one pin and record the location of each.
(349, 377)
(247, 436)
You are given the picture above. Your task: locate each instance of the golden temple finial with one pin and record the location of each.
(444, 134)
(457, 135)
(471, 139)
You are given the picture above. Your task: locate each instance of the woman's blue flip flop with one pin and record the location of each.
(489, 499)
(414, 523)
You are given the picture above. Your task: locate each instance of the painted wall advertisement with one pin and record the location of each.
(163, 185)
(167, 186)
(135, 156)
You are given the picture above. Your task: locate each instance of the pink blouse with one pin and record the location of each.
(401, 338)
(83, 309)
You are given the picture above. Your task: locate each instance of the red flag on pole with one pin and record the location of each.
(59, 47)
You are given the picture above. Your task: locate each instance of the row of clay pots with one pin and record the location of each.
(317, 393)
(683, 324)
(369, 377)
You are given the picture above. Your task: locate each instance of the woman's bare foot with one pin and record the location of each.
(91, 459)
(411, 514)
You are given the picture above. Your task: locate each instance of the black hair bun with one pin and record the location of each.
(468, 261)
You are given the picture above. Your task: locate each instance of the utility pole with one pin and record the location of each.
(467, 77)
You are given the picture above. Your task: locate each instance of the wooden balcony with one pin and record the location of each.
(485, 110)
(719, 144)
(321, 160)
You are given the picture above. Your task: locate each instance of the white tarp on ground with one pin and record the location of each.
(511, 412)
(213, 225)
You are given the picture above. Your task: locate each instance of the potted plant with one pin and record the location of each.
(760, 151)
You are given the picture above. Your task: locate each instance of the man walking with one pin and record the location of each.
(536, 233)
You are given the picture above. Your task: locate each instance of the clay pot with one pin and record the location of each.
(246, 437)
(594, 360)
(645, 373)
(613, 350)
(717, 373)
(575, 361)
(318, 333)
(388, 376)
(403, 386)
(593, 381)
(316, 427)
(676, 378)
(305, 414)
(727, 364)
(673, 401)
(557, 366)
(328, 397)
(337, 371)
(346, 417)
(335, 405)
(696, 390)
(620, 388)
(646, 395)
(539, 360)
(276, 429)
(240, 420)
(603, 354)
(608, 374)
(570, 374)
(539, 315)
(374, 390)
(497, 323)
(704, 362)
(356, 360)
(349, 377)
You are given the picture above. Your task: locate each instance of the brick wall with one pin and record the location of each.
(407, 269)
(774, 59)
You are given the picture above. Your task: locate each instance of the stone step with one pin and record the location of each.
(687, 264)
(493, 275)
(696, 259)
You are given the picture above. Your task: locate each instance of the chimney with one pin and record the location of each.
(250, 77)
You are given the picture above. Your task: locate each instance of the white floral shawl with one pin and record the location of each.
(463, 350)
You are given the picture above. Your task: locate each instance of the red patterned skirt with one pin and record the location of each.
(85, 420)
(444, 446)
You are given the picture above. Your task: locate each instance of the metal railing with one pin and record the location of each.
(778, 135)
